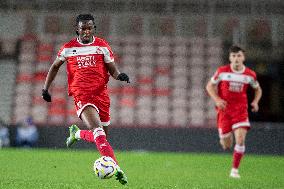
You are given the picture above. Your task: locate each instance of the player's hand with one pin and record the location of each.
(123, 77)
(221, 104)
(45, 95)
(254, 106)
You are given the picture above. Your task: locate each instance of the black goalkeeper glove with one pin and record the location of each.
(123, 77)
(45, 95)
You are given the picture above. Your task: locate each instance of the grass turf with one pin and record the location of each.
(62, 169)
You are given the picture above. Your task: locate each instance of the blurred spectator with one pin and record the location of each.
(26, 134)
(4, 135)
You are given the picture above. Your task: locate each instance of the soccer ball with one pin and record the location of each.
(105, 167)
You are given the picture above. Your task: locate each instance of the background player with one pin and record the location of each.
(228, 88)
(89, 62)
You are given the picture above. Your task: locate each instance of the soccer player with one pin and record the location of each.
(89, 61)
(228, 88)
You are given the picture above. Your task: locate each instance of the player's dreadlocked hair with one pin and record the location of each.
(84, 17)
(235, 49)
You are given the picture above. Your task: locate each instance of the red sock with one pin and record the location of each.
(104, 147)
(87, 135)
(237, 156)
(98, 137)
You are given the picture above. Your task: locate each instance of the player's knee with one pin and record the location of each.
(240, 140)
(225, 145)
(241, 143)
(99, 132)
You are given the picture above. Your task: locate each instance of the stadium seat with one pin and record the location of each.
(194, 93)
(26, 68)
(162, 81)
(24, 88)
(214, 41)
(61, 38)
(20, 114)
(144, 116)
(197, 117)
(129, 50)
(179, 71)
(180, 82)
(163, 61)
(214, 60)
(181, 62)
(39, 114)
(180, 92)
(22, 99)
(197, 61)
(145, 70)
(181, 50)
(197, 41)
(180, 116)
(27, 58)
(164, 50)
(43, 67)
(147, 49)
(161, 116)
(179, 102)
(126, 116)
(28, 47)
(214, 51)
(129, 59)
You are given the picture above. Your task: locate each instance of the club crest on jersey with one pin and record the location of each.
(86, 61)
(99, 51)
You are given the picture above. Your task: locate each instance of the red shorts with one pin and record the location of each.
(100, 102)
(227, 122)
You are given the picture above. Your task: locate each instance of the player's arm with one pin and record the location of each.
(115, 73)
(257, 97)
(50, 77)
(211, 88)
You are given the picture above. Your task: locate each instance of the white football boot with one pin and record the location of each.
(235, 173)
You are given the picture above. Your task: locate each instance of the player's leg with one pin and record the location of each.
(106, 130)
(226, 141)
(88, 112)
(103, 102)
(102, 144)
(239, 150)
(92, 121)
(85, 106)
(225, 130)
(96, 134)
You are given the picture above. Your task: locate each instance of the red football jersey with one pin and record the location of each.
(86, 69)
(233, 85)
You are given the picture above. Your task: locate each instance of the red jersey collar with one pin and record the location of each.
(239, 72)
(86, 43)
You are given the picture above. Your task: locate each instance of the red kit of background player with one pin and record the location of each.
(228, 88)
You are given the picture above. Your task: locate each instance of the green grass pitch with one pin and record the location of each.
(62, 169)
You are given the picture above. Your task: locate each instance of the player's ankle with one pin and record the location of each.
(77, 134)
(236, 170)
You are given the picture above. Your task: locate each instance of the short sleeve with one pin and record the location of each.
(108, 54)
(253, 82)
(61, 54)
(215, 79)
